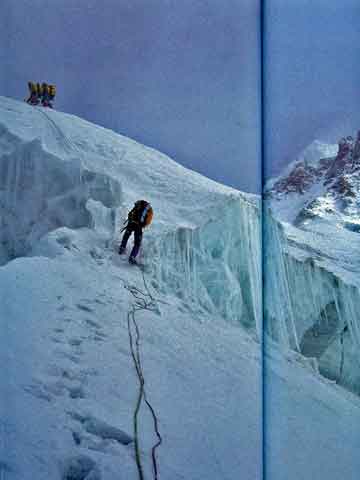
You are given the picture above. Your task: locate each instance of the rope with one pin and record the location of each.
(69, 143)
(143, 301)
(131, 316)
(61, 134)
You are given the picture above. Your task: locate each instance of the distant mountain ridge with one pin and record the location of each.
(322, 184)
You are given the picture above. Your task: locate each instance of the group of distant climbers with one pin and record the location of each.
(41, 94)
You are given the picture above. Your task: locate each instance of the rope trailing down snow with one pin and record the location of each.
(61, 136)
(58, 132)
(143, 301)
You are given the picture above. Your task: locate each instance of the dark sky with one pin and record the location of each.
(181, 76)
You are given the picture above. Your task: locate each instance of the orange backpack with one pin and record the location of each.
(141, 213)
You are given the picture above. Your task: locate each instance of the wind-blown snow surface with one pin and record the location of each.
(69, 387)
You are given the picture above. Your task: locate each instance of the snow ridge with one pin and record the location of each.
(56, 179)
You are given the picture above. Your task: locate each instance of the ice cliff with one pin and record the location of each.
(59, 171)
(313, 260)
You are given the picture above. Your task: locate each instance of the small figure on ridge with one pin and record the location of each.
(34, 95)
(48, 95)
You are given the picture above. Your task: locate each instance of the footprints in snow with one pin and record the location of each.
(100, 429)
(71, 348)
(77, 333)
(85, 308)
(96, 333)
(80, 467)
(61, 382)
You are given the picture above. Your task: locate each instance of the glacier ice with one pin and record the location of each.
(217, 264)
(39, 192)
(205, 245)
(309, 308)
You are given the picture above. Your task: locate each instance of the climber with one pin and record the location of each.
(52, 93)
(39, 90)
(34, 96)
(46, 95)
(138, 218)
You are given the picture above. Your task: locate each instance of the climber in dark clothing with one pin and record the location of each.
(132, 227)
(138, 218)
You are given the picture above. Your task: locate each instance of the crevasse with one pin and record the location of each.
(307, 308)
(310, 309)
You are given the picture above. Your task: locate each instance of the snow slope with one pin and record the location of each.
(75, 174)
(67, 360)
(71, 387)
(69, 393)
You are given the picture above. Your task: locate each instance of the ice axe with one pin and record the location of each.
(125, 223)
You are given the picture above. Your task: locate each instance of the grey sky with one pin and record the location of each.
(181, 76)
(312, 74)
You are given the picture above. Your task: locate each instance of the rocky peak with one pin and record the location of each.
(332, 172)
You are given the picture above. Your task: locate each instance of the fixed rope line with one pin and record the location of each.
(69, 143)
(131, 317)
(55, 127)
(143, 301)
